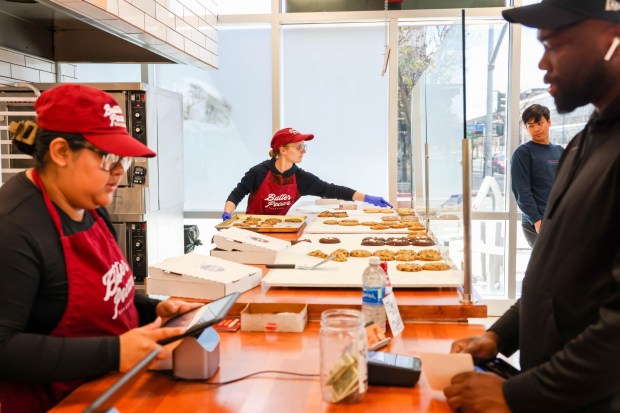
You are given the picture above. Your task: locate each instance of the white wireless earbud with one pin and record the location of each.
(612, 49)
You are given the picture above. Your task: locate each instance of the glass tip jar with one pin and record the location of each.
(344, 374)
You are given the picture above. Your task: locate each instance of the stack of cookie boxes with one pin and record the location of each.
(247, 247)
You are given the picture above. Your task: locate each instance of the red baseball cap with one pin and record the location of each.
(92, 113)
(288, 135)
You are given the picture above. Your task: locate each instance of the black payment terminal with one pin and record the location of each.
(387, 369)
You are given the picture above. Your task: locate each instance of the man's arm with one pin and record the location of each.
(507, 329)
(585, 370)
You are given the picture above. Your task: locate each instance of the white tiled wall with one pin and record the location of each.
(189, 26)
(19, 67)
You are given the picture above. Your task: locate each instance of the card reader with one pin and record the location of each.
(387, 369)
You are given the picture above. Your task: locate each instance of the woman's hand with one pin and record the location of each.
(138, 342)
(170, 308)
(377, 201)
(482, 347)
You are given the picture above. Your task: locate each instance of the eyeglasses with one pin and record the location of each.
(301, 147)
(109, 161)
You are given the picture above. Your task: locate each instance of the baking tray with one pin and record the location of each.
(318, 226)
(348, 274)
(279, 227)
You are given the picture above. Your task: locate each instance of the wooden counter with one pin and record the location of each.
(243, 353)
(414, 304)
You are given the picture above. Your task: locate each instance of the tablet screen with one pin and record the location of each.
(200, 318)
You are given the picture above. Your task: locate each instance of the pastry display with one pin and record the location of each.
(318, 254)
(329, 240)
(429, 255)
(378, 210)
(397, 242)
(373, 241)
(416, 234)
(264, 223)
(405, 255)
(329, 214)
(360, 253)
(405, 211)
(385, 255)
(435, 266)
(341, 255)
(409, 267)
(422, 241)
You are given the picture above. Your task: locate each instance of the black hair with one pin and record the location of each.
(536, 112)
(41, 145)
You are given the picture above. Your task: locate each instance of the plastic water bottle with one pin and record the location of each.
(373, 291)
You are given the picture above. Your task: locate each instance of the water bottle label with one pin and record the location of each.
(372, 296)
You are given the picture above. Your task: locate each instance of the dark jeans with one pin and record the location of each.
(530, 233)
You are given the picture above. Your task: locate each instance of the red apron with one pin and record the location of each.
(100, 302)
(274, 196)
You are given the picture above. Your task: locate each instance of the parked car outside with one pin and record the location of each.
(498, 163)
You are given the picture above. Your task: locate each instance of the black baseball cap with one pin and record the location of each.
(553, 14)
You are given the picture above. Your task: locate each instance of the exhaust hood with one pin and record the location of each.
(110, 31)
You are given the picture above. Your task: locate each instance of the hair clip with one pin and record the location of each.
(24, 131)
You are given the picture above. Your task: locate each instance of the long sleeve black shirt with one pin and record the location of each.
(33, 294)
(567, 322)
(307, 183)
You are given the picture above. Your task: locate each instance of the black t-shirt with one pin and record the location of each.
(33, 294)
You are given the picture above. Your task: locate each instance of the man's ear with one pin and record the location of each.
(60, 151)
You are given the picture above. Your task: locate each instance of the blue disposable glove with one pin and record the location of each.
(377, 201)
(225, 216)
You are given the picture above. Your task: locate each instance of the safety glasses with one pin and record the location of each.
(302, 147)
(109, 161)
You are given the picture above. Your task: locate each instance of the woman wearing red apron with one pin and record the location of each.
(68, 311)
(276, 184)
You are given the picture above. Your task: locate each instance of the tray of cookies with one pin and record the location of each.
(347, 274)
(412, 263)
(264, 223)
(365, 224)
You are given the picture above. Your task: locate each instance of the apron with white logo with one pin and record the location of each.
(100, 302)
(275, 195)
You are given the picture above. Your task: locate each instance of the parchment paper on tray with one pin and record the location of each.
(265, 223)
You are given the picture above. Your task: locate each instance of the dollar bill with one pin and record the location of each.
(343, 377)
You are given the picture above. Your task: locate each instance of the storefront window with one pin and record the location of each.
(227, 115)
(332, 87)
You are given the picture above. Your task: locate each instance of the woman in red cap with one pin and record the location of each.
(276, 184)
(68, 308)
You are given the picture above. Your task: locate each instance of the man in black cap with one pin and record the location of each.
(567, 322)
